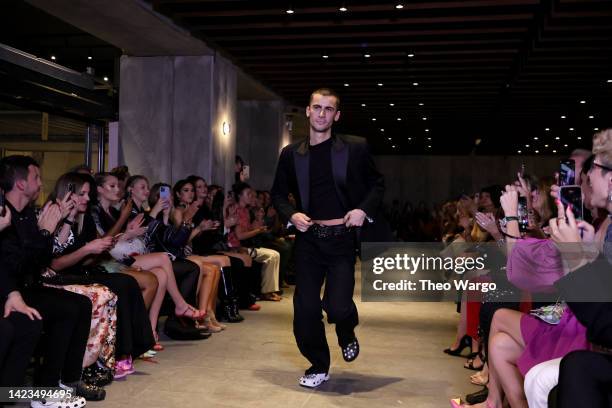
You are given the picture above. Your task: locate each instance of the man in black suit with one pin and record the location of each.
(338, 194)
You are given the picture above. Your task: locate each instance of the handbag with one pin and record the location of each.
(125, 250)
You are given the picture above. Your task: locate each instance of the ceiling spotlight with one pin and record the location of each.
(579, 138)
(366, 55)
(90, 58)
(526, 145)
(421, 104)
(53, 58)
(429, 146)
(429, 138)
(346, 84)
(557, 138)
(565, 145)
(389, 138)
(343, 8)
(409, 138)
(399, 6)
(393, 146)
(427, 130)
(562, 116)
(537, 151)
(382, 130)
(554, 151)
(363, 105)
(547, 129)
(399, 119)
(380, 84)
(519, 152)
(373, 119)
(105, 79)
(595, 128)
(289, 11)
(415, 83)
(545, 145)
(535, 138)
(591, 117)
(424, 118)
(325, 56)
(610, 81)
(583, 102)
(391, 104)
(571, 129)
(410, 55)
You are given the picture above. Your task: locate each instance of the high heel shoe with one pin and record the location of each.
(191, 313)
(466, 341)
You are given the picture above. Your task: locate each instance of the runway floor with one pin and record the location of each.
(256, 364)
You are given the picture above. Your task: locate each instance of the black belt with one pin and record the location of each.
(328, 231)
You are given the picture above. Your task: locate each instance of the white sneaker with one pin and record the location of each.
(313, 380)
(72, 402)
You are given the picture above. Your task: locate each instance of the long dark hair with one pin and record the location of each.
(177, 189)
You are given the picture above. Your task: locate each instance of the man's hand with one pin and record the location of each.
(354, 218)
(301, 221)
(49, 217)
(5, 220)
(15, 303)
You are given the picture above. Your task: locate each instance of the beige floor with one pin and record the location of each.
(256, 364)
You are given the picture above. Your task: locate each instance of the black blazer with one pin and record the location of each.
(358, 183)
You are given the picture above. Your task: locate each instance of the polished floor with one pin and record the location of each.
(256, 364)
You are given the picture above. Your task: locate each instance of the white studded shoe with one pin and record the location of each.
(313, 380)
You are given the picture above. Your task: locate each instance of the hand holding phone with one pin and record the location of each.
(164, 192)
(571, 196)
(567, 173)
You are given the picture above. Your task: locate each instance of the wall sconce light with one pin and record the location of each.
(226, 128)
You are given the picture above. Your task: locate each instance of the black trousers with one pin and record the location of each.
(66, 320)
(317, 260)
(585, 380)
(134, 334)
(18, 338)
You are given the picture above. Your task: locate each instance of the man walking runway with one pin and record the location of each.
(336, 188)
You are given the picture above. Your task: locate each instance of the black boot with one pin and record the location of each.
(237, 317)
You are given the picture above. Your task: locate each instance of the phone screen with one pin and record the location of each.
(572, 195)
(1, 203)
(523, 214)
(567, 173)
(164, 192)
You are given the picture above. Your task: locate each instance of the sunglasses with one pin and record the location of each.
(601, 166)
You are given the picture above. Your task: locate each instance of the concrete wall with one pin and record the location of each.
(171, 114)
(435, 179)
(260, 136)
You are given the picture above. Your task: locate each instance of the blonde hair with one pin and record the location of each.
(602, 146)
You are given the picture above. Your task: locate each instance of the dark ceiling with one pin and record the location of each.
(502, 71)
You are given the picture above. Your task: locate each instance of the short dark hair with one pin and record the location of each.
(121, 172)
(326, 92)
(14, 168)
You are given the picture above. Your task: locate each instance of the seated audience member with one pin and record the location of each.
(244, 232)
(26, 249)
(80, 254)
(20, 326)
(130, 249)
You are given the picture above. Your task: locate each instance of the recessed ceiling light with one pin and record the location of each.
(367, 55)
(415, 83)
(391, 104)
(53, 57)
(346, 84)
(325, 56)
(610, 81)
(393, 146)
(591, 117)
(424, 118)
(90, 58)
(106, 79)
(554, 151)
(382, 130)
(289, 11)
(399, 119)
(557, 138)
(571, 129)
(421, 104)
(380, 84)
(410, 55)
(545, 145)
(409, 138)
(519, 152)
(579, 138)
(363, 105)
(427, 130)
(389, 138)
(565, 145)
(537, 151)
(535, 138)
(373, 119)
(547, 129)
(583, 102)
(595, 128)
(562, 116)
(343, 9)
(429, 138)
(429, 146)
(399, 6)
(526, 145)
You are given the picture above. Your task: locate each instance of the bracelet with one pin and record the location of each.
(67, 221)
(511, 236)
(511, 218)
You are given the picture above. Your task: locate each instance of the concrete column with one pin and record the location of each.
(259, 138)
(171, 114)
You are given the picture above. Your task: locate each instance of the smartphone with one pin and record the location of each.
(572, 195)
(164, 192)
(2, 203)
(71, 188)
(246, 172)
(522, 170)
(523, 214)
(567, 173)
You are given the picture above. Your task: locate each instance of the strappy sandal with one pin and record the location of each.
(192, 313)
